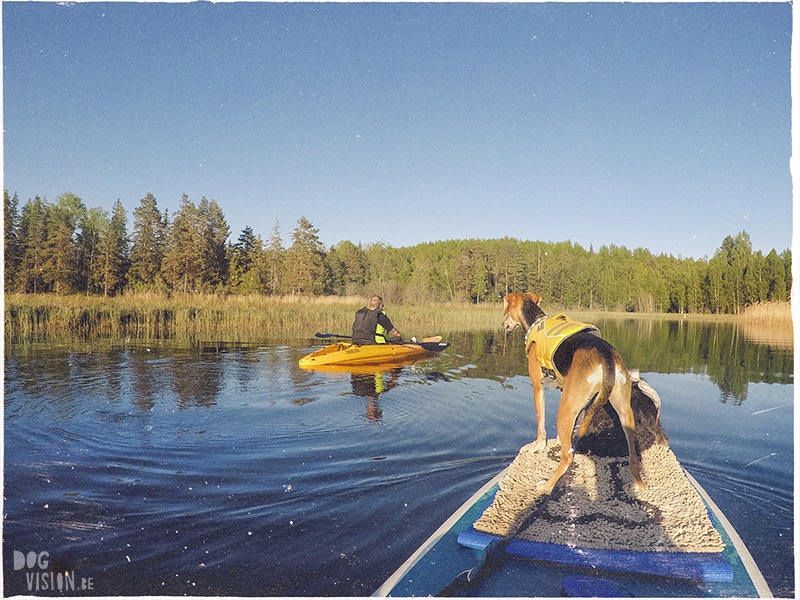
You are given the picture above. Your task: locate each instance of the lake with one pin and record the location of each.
(176, 467)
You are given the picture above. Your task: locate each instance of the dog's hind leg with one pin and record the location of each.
(621, 401)
(574, 396)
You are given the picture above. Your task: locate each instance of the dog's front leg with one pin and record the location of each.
(535, 372)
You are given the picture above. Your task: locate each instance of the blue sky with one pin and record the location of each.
(662, 126)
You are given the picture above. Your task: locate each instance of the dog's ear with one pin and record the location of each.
(535, 297)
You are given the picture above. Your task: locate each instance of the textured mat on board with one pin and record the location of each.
(596, 519)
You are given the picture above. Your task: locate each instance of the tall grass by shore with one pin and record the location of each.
(154, 316)
(779, 313)
(36, 317)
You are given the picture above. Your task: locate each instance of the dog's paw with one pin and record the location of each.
(539, 445)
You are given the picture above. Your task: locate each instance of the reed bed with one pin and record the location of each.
(154, 316)
(35, 317)
(777, 313)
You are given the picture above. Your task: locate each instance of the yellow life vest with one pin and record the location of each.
(548, 333)
(381, 335)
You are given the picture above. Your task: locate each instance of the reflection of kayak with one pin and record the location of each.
(588, 538)
(365, 369)
(349, 354)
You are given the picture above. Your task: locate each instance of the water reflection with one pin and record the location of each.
(769, 335)
(722, 351)
(196, 375)
(371, 386)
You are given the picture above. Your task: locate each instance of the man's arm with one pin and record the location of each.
(384, 321)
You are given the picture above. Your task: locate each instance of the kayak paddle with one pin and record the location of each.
(432, 339)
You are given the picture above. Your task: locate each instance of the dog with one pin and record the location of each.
(582, 365)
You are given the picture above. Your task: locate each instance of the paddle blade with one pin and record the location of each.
(466, 579)
(432, 346)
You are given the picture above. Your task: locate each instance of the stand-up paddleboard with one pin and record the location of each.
(593, 536)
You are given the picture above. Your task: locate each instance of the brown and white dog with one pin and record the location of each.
(590, 366)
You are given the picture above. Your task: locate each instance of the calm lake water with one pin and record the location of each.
(166, 468)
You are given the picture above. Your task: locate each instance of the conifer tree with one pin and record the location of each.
(60, 269)
(94, 223)
(335, 269)
(244, 246)
(353, 265)
(273, 262)
(214, 237)
(256, 276)
(183, 262)
(241, 260)
(743, 282)
(112, 261)
(11, 245)
(32, 239)
(305, 267)
(774, 274)
(149, 241)
(508, 267)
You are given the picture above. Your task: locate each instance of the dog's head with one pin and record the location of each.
(521, 310)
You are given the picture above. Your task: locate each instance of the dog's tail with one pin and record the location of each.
(609, 376)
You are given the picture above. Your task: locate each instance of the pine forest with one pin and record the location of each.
(65, 248)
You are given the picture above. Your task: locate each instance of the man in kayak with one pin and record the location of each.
(372, 326)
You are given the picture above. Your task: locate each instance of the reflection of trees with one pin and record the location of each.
(684, 346)
(720, 350)
(768, 334)
(72, 382)
(196, 381)
(66, 379)
(146, 383)
(240, 363)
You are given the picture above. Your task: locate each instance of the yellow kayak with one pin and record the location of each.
(347, 353)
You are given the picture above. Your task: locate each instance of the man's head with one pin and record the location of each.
(375, 302)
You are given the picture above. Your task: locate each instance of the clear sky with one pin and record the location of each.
(662, 126)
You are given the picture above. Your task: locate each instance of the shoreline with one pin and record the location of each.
(34, 317)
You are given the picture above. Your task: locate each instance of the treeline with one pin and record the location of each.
(65, 248)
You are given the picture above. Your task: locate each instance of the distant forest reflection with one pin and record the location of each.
(196, 371)
(725, 352)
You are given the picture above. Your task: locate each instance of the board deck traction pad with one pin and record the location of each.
(701, 566)
(735, 551)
